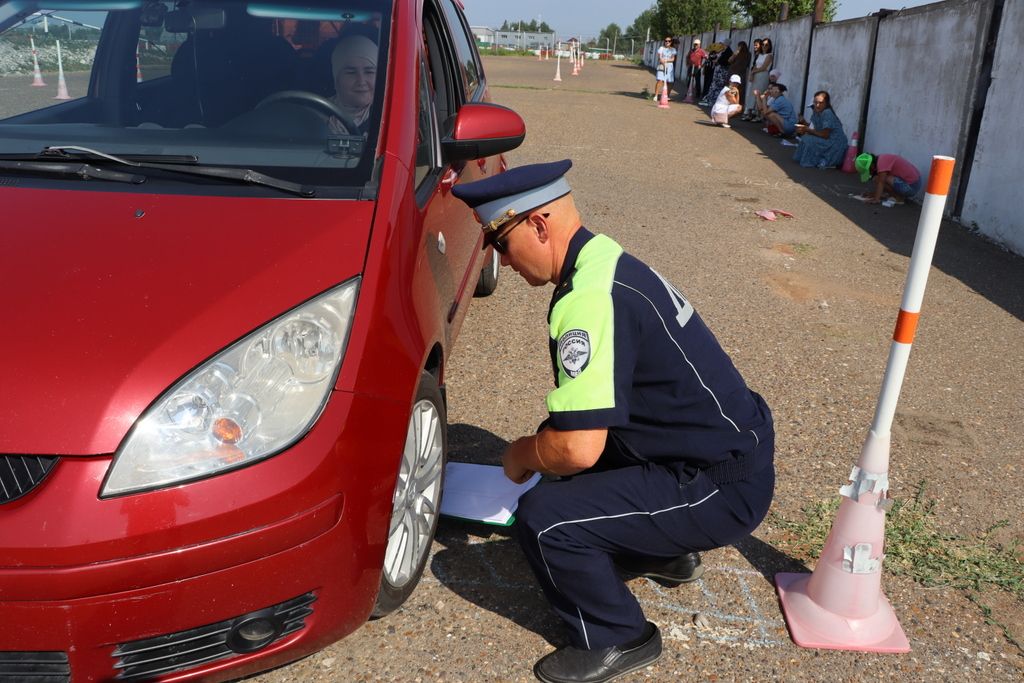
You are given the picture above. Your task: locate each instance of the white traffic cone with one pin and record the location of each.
(558, 67)
(37, 75)
(62, 85)
(138, 67)
(840, 606)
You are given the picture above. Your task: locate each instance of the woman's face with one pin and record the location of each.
(354, 81)
(757, 46)
(820, 103)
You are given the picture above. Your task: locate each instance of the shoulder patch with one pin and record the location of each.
(574, 352)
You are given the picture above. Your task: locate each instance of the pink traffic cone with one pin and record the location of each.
(840, 606)
(689, 93)
(138, 67)
(663, 101)
(37, 75)
(851, 155)
(558, 67)
(540, 54)
(62, 85)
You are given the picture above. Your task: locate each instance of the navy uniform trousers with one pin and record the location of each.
(571, 528)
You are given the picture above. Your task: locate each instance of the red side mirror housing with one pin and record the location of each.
(482, 130)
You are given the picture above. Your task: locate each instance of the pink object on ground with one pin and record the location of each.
(772, 214)
(851, 155)
(663, 101)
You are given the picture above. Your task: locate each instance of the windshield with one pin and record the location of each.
(293, 90)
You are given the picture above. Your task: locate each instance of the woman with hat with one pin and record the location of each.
(895, 177)
(728, 103)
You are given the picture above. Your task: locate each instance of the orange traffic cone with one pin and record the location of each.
(851, 155)
(62, 85)
(663, 101)
(840, 606)
(37, 75)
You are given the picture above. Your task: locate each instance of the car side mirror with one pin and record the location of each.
(482, 130)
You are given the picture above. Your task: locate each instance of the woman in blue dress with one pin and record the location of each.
(822, 142)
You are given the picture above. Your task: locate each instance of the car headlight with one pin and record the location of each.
(248, 402)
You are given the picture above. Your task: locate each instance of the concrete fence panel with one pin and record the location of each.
(993, 195)
(791, 41)
(841, 64)
(927, 62)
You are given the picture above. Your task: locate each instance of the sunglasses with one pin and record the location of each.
(500, 244)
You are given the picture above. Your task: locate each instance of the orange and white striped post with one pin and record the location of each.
(62, 85)
(840, 606)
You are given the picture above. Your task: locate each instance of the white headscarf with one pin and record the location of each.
(353, 47)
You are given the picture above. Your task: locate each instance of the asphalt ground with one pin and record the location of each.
(806, 307)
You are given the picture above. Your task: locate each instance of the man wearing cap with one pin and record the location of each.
(728, 103)
(695, 64)
(654, 448)
(895, 177)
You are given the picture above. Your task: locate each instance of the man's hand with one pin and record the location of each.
(514, 456)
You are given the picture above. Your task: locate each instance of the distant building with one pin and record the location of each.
(487, 37)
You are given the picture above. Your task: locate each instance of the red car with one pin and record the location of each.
(232, 273)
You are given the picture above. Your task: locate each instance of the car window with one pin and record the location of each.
(464, 47)
(426, 136)
(291, 90)
(441, 64)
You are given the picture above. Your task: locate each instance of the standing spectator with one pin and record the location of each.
(666, 67)
(781, 114)
(739, 65)
(721, 74)
(895, 177)
(822, 142)
(758, 76)
(709, 68)
(728, 103)
(695, 65)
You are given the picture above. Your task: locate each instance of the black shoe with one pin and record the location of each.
(572, 665)
(669, 573)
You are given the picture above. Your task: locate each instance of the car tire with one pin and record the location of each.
(488, 281)
(416, 502)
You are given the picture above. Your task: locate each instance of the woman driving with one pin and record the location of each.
(354, 67)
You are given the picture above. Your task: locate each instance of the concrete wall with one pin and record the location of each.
(841, 63)
(791, 41)
(922, 96)
(994, 191)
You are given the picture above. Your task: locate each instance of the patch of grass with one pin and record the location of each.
(801, 248)
(915, 547)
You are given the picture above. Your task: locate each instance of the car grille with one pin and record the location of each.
(35, 667)
(188, 649)
(19, 474)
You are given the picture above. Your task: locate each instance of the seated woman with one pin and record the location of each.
(822, 142)
(728, 103)
(780, 116)
(354, 67)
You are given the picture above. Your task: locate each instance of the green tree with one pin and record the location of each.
(680, 17)
(638, 29)
(505, 26)
(608, 34)
(767, 11)
(544, 28)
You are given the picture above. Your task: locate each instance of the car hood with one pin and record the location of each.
(109, 298)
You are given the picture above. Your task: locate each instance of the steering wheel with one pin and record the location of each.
(312, 100)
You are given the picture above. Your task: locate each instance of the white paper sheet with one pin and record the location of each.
(481, 493)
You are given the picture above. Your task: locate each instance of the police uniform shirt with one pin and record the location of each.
(630, 354)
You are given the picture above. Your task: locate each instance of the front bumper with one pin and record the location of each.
(89, 578)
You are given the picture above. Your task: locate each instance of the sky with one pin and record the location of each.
(587, 17)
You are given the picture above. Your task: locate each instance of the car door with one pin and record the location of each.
(448, 221)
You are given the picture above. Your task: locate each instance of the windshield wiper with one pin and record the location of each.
(244, 175)
(72, 168)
